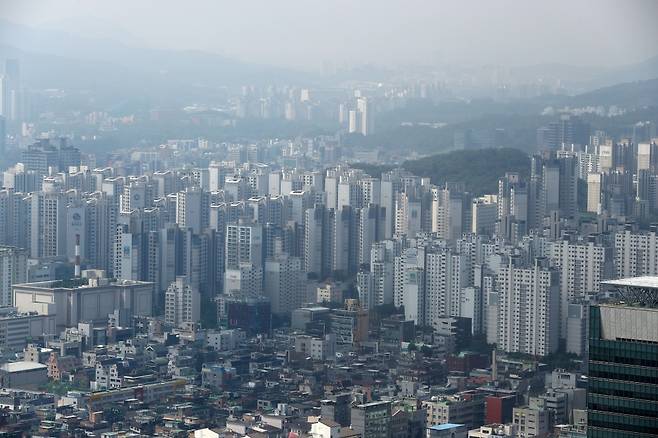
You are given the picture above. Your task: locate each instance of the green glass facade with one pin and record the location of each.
(622, 399)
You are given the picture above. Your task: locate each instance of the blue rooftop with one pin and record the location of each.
(446, 426)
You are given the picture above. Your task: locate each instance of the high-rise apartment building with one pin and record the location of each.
(47, 212)
(192, 209)
(13, 270)
(484, 213)
(528, 308)
(582, 266)
(636, 253)
(244, 244)
(375, 286)
(182, 302)
(284, 283)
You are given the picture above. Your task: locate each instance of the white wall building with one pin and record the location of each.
(636, 254)
(84, 300)
(182, 303)
(528, 309)
(13, 270)
(582, 268)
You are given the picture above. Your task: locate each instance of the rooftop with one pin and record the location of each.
(446, 426)
(644, 282)
(78, 284)
(315, 308)
(15, 367)
(637, 290)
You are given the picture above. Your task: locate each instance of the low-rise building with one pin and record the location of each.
(225, 340)
(465, 408)
(215, 375)
(315, 347)
(531, 422)
(18, 328)
(494, 431)
(23, 375)
(447, 430)
(59, 367)
(372, 420)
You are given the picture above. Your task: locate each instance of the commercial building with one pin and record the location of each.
(499, 409)
(372, 420)
(622, 399)
(225, 340)
(337, 409)
(465, 408)
(84, 299)
(316, 348)
(447, 430)
(303, 317)
(24, 375)
(349, 326)
(17, 329)
(249, 313)
(532, 422)
(484, 214)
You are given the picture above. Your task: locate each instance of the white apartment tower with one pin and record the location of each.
(376, 285)
(47, 224)
(244, 244)
(594, 185)
(13, 270)
(636, 254)
(581, 266)
(446, 274)
(528, 308)
(484, 214)
(192, 209)
(182, 303)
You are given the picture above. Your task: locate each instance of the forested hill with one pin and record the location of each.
(479, 169)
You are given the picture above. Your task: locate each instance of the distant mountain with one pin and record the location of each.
(587, 78)
(641, 71)
(54, 57)
(629, 95)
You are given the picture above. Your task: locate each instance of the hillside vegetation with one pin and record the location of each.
(479, 169)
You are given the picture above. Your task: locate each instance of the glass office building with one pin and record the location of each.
(622, 399)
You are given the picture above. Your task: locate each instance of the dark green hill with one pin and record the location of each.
(479, 169)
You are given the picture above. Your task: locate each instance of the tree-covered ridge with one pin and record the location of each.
(479, 169)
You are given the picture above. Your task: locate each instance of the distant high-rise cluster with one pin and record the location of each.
(513, 263)
(312, 286)
(11, 91)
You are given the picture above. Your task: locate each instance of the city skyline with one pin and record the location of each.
(448, 230)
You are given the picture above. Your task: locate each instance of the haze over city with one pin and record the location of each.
(302, 34)
(314, 219)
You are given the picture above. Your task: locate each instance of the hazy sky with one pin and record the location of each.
(305, 33)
